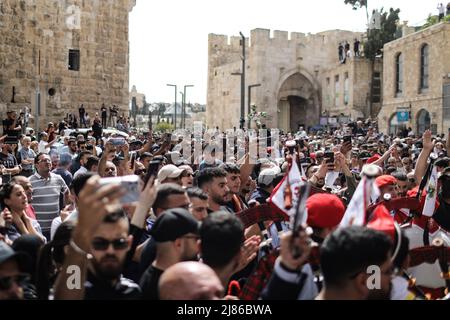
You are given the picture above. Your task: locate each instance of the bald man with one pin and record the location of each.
(190, 281)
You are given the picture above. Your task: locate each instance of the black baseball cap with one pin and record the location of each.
(173, 224)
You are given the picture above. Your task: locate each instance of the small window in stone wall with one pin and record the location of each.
(336, 91)
(74, 59)
(346, 89)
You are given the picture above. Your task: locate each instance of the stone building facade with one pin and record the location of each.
(417, 81)
(292, 70)
(346, 89)
(63, 54)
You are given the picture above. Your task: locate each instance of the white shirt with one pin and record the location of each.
(42, 148)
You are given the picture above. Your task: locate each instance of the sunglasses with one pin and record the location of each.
(7, 282)
(139, 172)
(100, 244)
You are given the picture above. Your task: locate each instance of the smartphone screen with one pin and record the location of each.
(329, 156)
(129, 183)
(348, 139)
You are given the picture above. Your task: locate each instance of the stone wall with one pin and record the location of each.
(359, 73)
(271, 60)
(413, 97)
(35, 38)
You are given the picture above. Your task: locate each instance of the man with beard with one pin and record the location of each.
(234, 202)
(402, 183)
(109, 246)
(176, 235)
(213, 181)
(345, 258)
(98, 248)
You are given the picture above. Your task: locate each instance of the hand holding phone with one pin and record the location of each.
(152, 171)
(129, 183)
(329, 156)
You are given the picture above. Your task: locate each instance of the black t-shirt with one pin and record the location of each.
(82, 111)
(149, 283)
(98, 289)
(442, 214)
(104, 113)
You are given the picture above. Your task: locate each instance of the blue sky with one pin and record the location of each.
(169, 38)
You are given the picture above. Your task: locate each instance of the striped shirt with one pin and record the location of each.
(46, 193)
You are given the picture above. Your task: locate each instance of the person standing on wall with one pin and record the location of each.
(82, 113)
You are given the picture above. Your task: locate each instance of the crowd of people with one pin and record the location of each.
(209, 225)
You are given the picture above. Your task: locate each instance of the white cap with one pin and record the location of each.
(169, 172)
(267, 176)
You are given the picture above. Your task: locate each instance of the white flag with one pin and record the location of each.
(365, 194)
(295, 182)
(430, 201)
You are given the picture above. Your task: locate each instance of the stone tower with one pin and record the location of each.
(63, 54)
(291, 69)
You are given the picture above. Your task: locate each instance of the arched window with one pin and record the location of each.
(424, 61)
(423, 121)
(394, 126)
(399, 74)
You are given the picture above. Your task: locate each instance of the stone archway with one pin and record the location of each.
(298, 103)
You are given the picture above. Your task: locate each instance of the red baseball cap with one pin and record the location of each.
(324, 210)
(373, 159)
(386, 180)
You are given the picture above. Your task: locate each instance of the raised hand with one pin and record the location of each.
(428, 144)
(301, 242)
(249, 252)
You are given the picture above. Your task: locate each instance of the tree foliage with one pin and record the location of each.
(356, 4)
(164, 127)
(377, 38)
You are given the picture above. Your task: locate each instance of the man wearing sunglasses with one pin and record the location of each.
(11, 280)
(109, 246)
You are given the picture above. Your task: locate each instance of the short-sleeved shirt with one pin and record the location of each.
(149, 283)
(26, 154)
(46, 193)
(42, 148)
(9, 162)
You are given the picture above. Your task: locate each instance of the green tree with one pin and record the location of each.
(358, 4)
(377, 38)
(164, 127)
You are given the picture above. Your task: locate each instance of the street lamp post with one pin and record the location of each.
(174, 119)
(184, 104)
(249, 124)
(182, 109)
(242, 122)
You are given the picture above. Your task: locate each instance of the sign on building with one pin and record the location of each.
(402, 116)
